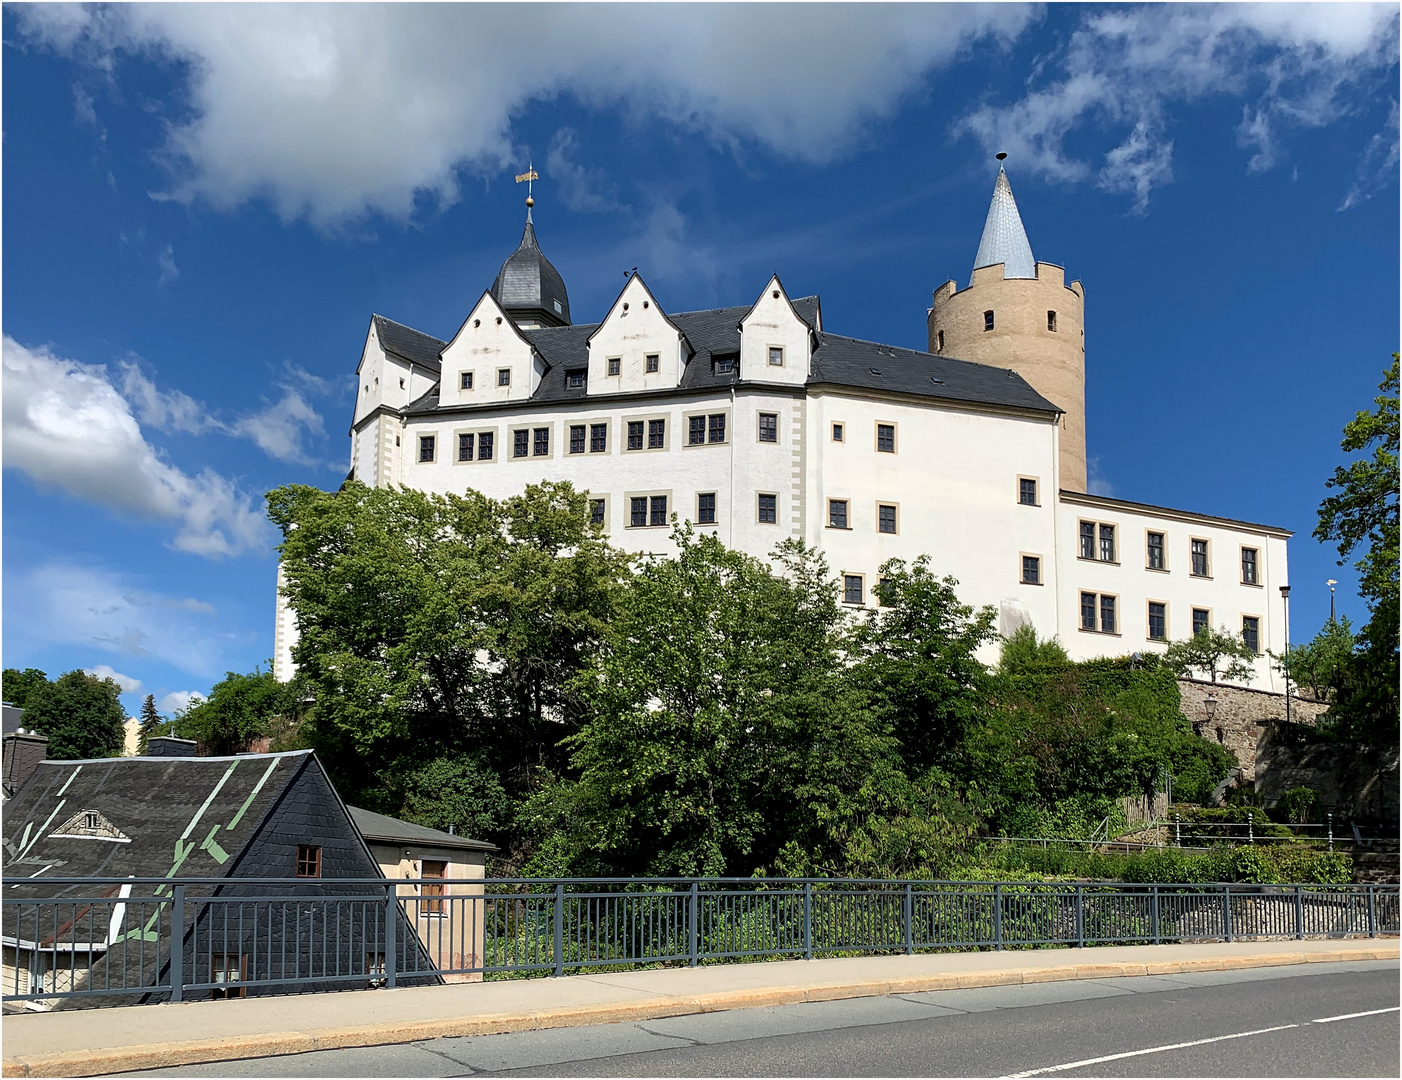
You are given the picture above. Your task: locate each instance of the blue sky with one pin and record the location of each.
(203, 205)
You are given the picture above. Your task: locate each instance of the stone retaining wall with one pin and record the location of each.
(1239, 718)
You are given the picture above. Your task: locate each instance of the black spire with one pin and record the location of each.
(529, 288)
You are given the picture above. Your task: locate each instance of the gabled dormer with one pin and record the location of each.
(636, 347)
(489, 359)
(397, 365)
(776, 342)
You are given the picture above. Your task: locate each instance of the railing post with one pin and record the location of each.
(559, 935)
(909, 945)
(1156, 916)
(177, 943)
(1372, 913)
(808, 920)
(694, 925)
(391, 935)
(1227, 912)
(1299, 915)
(1177, 829)
(1250, 826)
(1080, 917)
(1331, 830)
(998, 916)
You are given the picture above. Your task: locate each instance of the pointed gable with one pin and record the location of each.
(487, 344)
(1004, 239)
(775, 340)
(634, 330)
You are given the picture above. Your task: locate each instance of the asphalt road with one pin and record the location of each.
(1297, 1021)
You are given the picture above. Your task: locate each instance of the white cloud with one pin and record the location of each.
(178, 701)
(170, 411)
(67, 427)
(166, 261)
(1297, 65)
(278, 429)
(581, 187)
(332, 110)
(76, 604)
(128, 684)
(1377, 166)
(83, 111)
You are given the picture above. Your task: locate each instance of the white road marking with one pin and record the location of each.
(1151, 1050)
(1352, 1016)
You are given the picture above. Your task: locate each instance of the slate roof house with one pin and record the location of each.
(217, 820)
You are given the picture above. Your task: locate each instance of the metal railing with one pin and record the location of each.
(108, 941)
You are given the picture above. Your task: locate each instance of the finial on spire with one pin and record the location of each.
(1001, 156)
(529, 177)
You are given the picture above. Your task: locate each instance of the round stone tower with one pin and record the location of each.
(1019, 313)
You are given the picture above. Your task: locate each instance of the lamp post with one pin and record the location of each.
(1331, 583)
(1285, 599)
(1209, 706)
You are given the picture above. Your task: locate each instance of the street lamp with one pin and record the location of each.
(1285, 599)
(1331, 583)
(1209, 706)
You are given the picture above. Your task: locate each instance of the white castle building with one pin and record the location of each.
(759, 422)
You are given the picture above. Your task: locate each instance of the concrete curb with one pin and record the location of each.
(202, 1051)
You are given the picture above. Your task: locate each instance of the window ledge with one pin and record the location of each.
(840, 528)
(1037, 583)
(1200, 577)
(1102, 633)
(1103, 562)
(1157, 569)
(1253, 584)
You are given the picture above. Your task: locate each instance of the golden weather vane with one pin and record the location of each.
(529, 177)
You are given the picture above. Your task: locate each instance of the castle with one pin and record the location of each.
(757, 422)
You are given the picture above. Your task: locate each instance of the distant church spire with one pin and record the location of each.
(1004, 239)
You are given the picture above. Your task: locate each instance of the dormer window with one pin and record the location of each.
(465, 380)
(725, 364)
(91, 819)
(559, 309)
(987, 320)
(575, 379)
(1051, 321)
(776, 356)
(652, 362)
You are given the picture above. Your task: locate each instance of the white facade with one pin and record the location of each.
(759, 424)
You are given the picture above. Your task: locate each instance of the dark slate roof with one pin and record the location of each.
(152, 802)
(379, 827)
(844, 361)
(408, 344)
(528, 284)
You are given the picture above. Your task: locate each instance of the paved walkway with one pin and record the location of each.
(94, 1041)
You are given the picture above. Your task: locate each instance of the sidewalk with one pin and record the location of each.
(94, 1041)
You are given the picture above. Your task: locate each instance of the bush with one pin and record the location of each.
(1258, 864)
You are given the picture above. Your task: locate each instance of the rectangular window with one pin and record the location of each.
(1087, 539)
(886, 438)
(1031, 570)
(837, 433)
(1090, 602)
(431, 886)
(226, 969)
(716, 427)
(639, 516)
(576, 438)
(1051, 321)
(776, 356)
(521, 443)
(426, 447)
(574, 379)
(659, 510)
(1158, 621)
(851, 588)
(768, 509)
(542, 442)
(1251, 632)
(1155, 551)
(1107, 614)
(615, 365)
(696, 431)
(706, 508)
(725, 364)
(635, 434)
(308, 860)
(1087, 611)
(598, 438)
(596, 511)
(504, 376)
(1199, 567)
(1107, 543)
(1248, 567)
(988, 320)
(465, 447)
(768, 427)
(837, 513)
(656, 434)
(465, 380)
(885, 518)
(1202, 620)
(882, 592)
(652, 362)
(486, 445)
(1027, 491)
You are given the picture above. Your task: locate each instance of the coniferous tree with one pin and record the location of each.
(151, 722)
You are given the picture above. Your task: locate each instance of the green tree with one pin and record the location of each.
(151, 723)
(1321, 664)
(18, 685)
(463, 792)
(239, 709)
(1023, 651)
(1213, 653)
(1363, 518)
(437, 626)
(81, 714)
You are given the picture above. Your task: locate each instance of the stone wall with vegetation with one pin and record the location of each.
(1239, 718)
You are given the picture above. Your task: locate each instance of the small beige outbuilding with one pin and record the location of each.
(446, 905)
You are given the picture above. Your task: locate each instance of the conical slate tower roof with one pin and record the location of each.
(1004, 239)
(528, 287)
